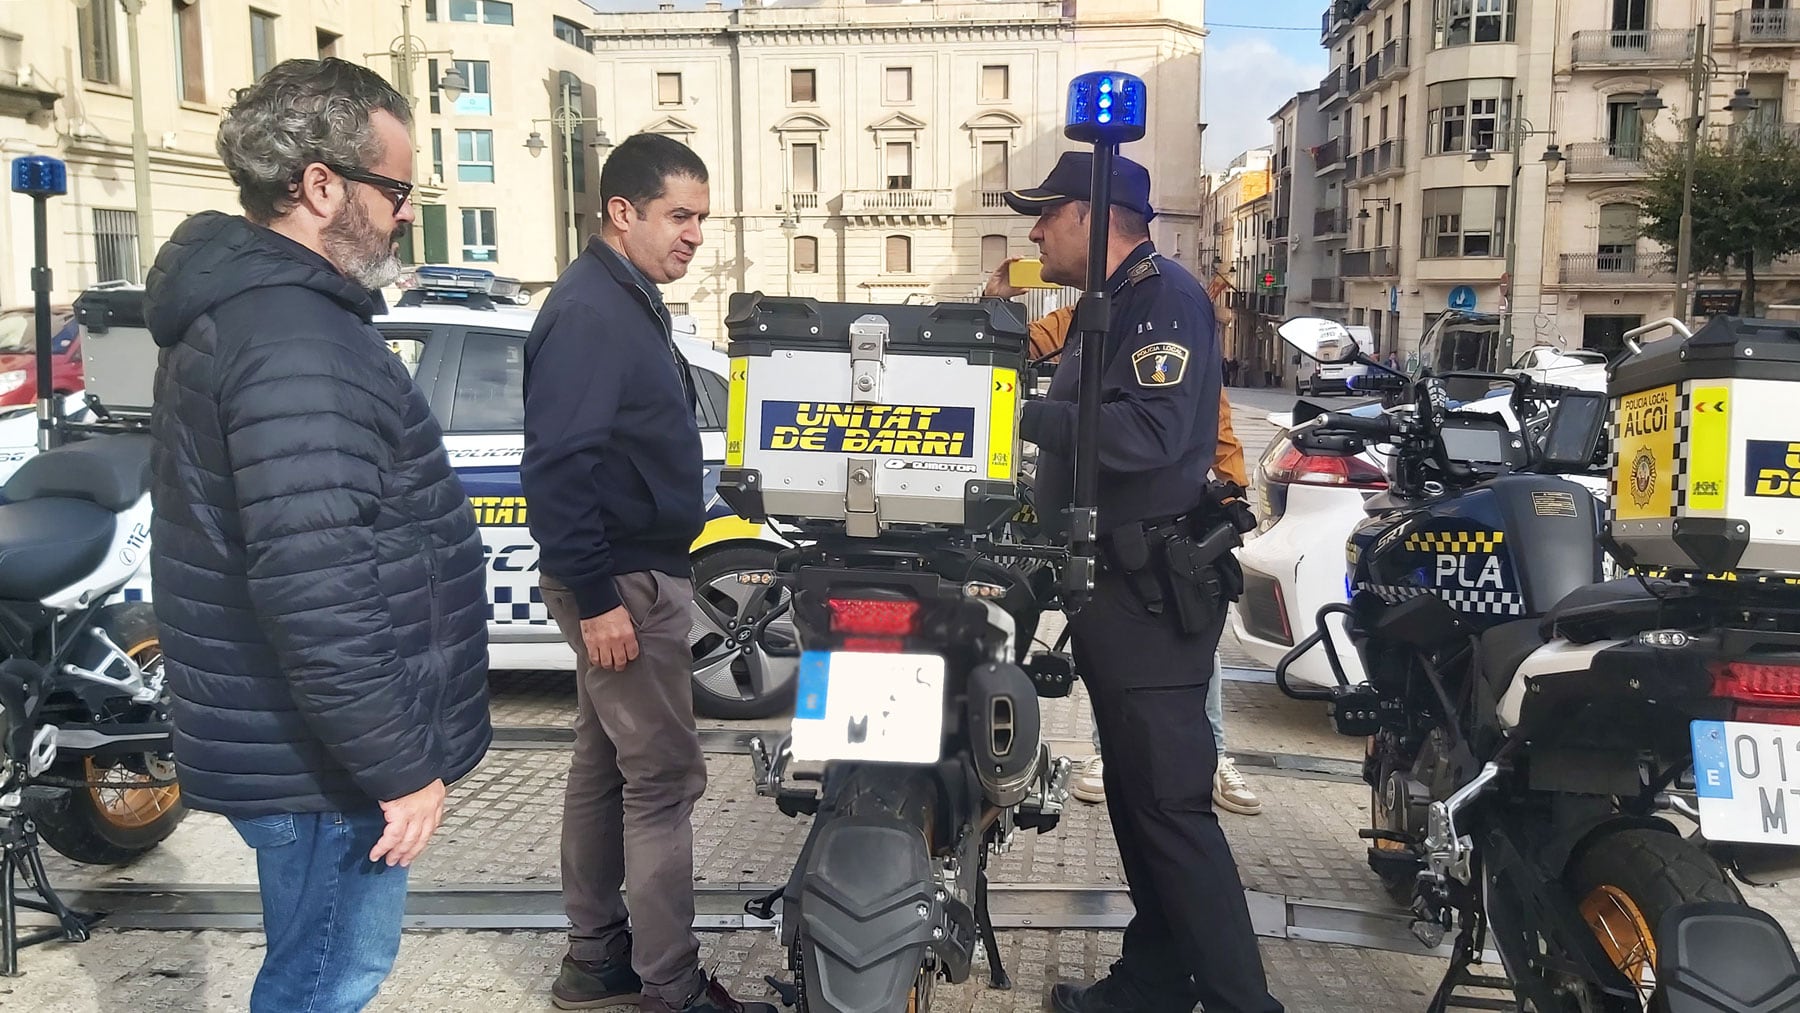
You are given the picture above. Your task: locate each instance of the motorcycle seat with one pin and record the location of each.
(110, 471)
(47, 544)
(1504, 648)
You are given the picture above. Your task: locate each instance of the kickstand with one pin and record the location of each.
(1470, 940)
(19, 858)
(984, 923)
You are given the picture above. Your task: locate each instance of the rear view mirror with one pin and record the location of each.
(1318, 338)
(1575, 428)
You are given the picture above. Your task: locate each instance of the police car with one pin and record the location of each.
(466, 350)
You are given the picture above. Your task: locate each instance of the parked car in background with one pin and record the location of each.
(1336, 377)
(1565, 367)
(18, 354)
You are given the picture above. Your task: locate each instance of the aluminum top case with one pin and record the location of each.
(866, 419)
(1706, 465)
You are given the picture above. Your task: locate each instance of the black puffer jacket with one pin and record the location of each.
(316, 569)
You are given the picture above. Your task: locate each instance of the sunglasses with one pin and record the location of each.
(397, 191)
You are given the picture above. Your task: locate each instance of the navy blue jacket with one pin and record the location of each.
(1159, 417)
(315, 565)
(613, 468)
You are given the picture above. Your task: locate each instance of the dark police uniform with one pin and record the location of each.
(1147, 676)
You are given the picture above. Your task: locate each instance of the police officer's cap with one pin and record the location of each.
(1072, 179)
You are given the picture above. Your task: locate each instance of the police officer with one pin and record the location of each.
(1145, 642)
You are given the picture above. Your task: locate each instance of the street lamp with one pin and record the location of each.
(406, 51)
(1703, 69)
(1518, 128)
(566, 117)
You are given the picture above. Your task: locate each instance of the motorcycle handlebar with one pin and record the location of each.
(1381, 427)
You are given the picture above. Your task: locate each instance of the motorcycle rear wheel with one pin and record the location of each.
(123, 812)
(1626, 881)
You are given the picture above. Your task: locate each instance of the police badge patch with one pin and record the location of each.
(1160, 365)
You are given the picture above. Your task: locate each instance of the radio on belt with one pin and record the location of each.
(1706, 477)
(867, 419)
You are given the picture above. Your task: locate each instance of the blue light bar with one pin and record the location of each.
(1106, 107)
(40, 176)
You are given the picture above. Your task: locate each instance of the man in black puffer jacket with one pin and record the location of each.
(317, 572)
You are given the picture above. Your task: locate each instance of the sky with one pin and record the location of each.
(1250, 72)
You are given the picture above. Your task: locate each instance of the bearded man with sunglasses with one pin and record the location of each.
(318, 576)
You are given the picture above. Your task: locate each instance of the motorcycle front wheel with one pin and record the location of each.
(124, 811)
(1626, 881)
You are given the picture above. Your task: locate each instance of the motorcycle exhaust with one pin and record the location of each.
(1005, 730)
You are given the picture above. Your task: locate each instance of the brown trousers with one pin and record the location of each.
(636, 773)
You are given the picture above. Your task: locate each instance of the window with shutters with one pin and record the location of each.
(97, 32)
(262, 43)
(996, 83)
(899, 165)
(806, 255)
(1616, 245)
(898, 86)
(899, 255)
(1624, 127)
(805, 158)
(668, 89)
(190, 52)
(803, 87)
(994, 172)
(993, 253)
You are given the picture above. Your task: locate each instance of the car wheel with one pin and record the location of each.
(734, 677)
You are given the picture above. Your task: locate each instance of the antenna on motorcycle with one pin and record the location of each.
(1106, 109)
(41, 177)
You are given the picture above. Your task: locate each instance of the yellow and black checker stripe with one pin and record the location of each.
(1458, 543)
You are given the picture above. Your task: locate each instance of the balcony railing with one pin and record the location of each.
(1630, 267)
(1391, 156)
(1352, 80)
(1278, 229)
(1328, 154)
(1371, 72)
(1768, 27)
(1330, 222)
(1331, 86)
(1327, 290)
(1396, 57)
(993, 198)
(1605, 47)
(805, 200)
(898, 202)
(1366, 164)
(1606, 158)
(1377, 263)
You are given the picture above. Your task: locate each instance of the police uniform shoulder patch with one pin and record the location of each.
(1145, 268)
(1160, 365)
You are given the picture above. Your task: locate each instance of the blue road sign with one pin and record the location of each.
(1462, 297)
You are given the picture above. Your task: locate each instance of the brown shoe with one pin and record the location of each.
(712, 999)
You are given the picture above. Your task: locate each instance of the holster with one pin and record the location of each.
(1202, 568)
(1130, 548)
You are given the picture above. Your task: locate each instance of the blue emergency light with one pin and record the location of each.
(1106, 107)
(40, 176)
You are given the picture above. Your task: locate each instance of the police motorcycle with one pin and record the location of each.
(888, 436)
(1538, 738)
(85, 754)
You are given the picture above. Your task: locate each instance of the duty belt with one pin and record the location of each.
(1192, 548)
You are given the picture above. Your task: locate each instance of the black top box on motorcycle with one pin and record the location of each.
(1706, 471)
(865, 419)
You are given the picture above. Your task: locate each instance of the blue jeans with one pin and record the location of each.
(336, 925)
(1215, 709)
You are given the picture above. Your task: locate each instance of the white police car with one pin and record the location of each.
(468, 356)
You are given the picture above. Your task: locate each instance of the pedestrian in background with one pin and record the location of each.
(316, 569)
(612, 470)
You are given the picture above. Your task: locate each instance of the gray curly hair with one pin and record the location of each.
(300, 112)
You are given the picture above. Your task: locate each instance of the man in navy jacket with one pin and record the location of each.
(613, 470)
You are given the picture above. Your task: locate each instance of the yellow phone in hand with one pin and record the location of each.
(1028, 272)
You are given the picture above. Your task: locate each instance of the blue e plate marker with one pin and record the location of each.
(1712, 762)
(815, 679)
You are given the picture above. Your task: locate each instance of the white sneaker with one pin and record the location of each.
(1231, 792)
(1087, 783)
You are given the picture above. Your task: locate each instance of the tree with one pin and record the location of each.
(1745, 210)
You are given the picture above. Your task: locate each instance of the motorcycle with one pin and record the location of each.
(919, 780)
(86, 762)
(1528, 722)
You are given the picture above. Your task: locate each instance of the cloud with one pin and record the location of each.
(1247, 80)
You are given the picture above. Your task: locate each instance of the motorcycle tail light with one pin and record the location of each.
(1764, 692)
(1296, 466)
(873, 617)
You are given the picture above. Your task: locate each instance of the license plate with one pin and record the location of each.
(875, 708)
(1748, 779)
